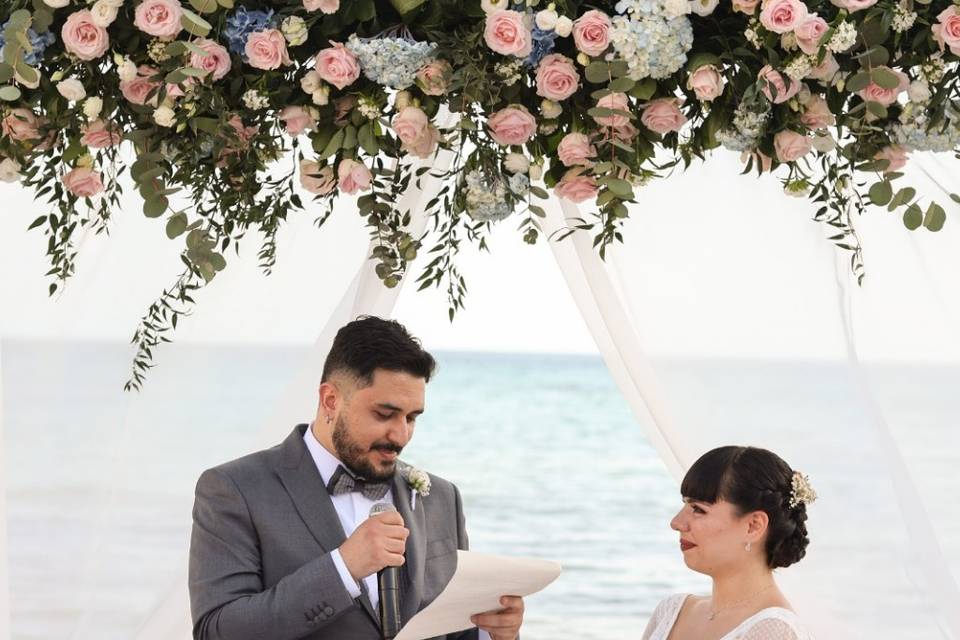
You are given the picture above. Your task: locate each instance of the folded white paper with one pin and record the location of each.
(476, 587)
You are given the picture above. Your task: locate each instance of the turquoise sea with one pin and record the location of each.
(548, 456)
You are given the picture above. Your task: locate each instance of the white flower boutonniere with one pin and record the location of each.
(418, 480)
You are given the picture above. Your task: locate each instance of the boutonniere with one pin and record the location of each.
(418, 480)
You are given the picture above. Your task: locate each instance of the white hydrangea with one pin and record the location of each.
(903, 18)
(368, 107)
(391, 61)
(919, 91)
(752, 35)
(800, 67)
(255, 101)
(933, 69)
(9, 170)
(652, 36)
(843, 38)
(516, 163)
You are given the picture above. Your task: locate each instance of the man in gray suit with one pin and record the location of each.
(282, 545)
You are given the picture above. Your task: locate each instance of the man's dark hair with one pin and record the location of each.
(370, 343)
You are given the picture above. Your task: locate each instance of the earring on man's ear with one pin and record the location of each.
(329, 418)
(748, 546)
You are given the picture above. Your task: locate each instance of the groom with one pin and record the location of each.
(282, 545)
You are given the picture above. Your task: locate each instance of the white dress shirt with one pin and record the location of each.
(352, 508)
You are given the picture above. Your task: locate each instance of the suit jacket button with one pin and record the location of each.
(328, 611)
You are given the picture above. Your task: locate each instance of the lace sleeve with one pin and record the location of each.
(664, 610)
(771, 629)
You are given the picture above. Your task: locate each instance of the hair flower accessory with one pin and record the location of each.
(801, 491)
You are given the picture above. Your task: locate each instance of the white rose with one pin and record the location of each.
(536, 171)
(9, 170)
(402, 100)
(311, 82)
(92, 108)
(164, 116)
(56, 4)
(294, 30)
(703, 7)
(516, 163)
(547, 19)
(127, 70)
(321, 96)
(564, 26)
(489, 6)
(550, 109)
(104, 12)
(72, 89)
(918, 91)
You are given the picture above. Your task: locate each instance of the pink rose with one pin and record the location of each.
(769, 76)
(506, 33)
(557, 78)
(433, 77)
(706, 82)
(947, 30)
(897, 156)
(575, 149)
(782, 16)
(512, 125)
(216, 62)
(426, 145)
(83, 182)
(853, 5)
(576, 187)
(591, 32)
(791, 146)
(663, 116)
(353, 176)
(297, 119)
(826, 71)
(617, 101)
(337, 65)
(410, 124)
(875, 93)
(21, 125)
(316, 179)
(83, 37)
(624, 133)
(816, 114)
(267, 49)
(139, 89)
(745, 6)
(99, 135)
(159, 18)
(809, 32)
(325, 6)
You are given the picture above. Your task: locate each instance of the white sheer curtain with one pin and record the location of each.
(720, 266)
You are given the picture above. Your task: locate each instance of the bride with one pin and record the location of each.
(744, 515)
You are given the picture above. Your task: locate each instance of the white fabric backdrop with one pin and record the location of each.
(671, 272)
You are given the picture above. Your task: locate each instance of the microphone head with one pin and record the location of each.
(381, 507)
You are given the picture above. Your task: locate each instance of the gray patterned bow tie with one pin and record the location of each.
(345, 482)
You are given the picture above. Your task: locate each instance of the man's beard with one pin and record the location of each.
(353, 456)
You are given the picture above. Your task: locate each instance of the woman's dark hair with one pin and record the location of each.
(370, 343)
(753, 479)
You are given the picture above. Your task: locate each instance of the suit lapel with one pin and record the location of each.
(300, 477)
(415, 521)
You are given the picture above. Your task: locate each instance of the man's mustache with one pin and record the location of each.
(387, 446)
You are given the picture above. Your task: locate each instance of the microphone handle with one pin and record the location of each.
(388, 581)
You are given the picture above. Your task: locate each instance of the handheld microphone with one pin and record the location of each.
(388, 584)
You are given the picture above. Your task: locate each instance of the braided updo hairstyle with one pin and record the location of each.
(753, 479)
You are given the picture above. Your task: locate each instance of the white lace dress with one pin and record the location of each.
(773, 623)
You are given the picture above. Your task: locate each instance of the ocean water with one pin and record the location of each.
(548, 456)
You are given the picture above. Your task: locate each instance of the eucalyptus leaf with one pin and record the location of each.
(858, 82)
(935, 217)
(884, 78)
(913, 217)
(597, 72)
(876, 109)
(155, 206)
(204, 6)
(6, 72)
(176, 225)
(880, 193)
(9, 93)
(194, 24)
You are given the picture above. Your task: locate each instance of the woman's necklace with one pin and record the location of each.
(714, 612)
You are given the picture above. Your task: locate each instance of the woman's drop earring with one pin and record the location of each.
(748, 546)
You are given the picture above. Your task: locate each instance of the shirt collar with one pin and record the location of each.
(326, 462)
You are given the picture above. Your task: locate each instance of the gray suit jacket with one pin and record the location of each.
(260, 564)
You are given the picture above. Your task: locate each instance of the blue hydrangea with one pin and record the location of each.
(241, 24)
(39, 42)
(543, 42)
(391, 61)
(652, 37)
(912, 130)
